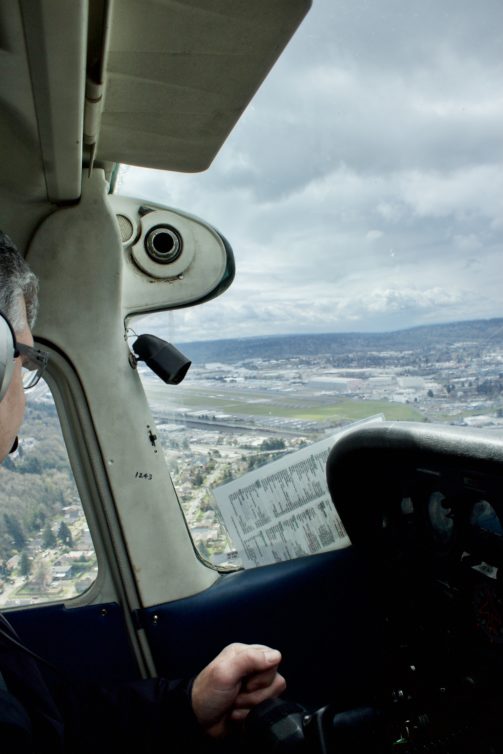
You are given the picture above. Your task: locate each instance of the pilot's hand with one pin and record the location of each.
(240, 677)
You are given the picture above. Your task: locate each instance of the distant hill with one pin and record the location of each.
(479, 332)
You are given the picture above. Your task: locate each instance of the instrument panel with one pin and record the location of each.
(425, 505)
(448, 538)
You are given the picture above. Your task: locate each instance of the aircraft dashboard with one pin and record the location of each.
(424, 505)
(444, 559)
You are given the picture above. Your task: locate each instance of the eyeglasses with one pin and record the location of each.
(34, 364)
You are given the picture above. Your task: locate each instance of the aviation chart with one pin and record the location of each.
(283, 510)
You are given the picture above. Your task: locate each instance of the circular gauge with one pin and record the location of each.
(441, 518)
(488, 607)
(483, 516)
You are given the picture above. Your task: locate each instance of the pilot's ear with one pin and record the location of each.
(7, 353)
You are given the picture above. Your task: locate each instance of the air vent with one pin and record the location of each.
(163, 244)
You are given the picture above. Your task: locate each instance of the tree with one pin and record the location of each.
(25, 564)
(37, 519)
(273, 443)
(197, 478)
(15, 530)
(48, 538)
(30, 465)
(227, 475)
(65, 535)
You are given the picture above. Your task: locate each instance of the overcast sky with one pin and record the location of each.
(362, 189)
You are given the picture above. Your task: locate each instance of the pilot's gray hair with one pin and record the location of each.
(16, 280)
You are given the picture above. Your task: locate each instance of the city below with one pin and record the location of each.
(243, 404)
(247, 402)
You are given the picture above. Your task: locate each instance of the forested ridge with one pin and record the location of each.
(478, 333)
(35, 483)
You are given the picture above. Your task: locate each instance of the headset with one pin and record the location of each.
(8, 352)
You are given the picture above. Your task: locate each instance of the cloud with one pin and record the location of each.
(363, 187)
(467, 192)
(373, 235)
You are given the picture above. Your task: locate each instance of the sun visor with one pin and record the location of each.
(178, 75)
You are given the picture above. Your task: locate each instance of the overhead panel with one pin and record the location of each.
(56, 41)
(178, 75)
(42, 76)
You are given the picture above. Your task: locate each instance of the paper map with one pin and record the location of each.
(283, 510)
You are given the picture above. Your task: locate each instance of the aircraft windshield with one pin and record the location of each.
(362, 193)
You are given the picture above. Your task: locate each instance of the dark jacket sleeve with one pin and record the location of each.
(151, 715)
(70, 717)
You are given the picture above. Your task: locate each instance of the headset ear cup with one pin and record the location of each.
(7, 351)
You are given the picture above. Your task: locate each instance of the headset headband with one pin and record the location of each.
(8, 353)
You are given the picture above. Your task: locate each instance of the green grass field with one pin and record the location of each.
(245, 403)
(355, 410)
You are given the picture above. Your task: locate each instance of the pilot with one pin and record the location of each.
(40, 709)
